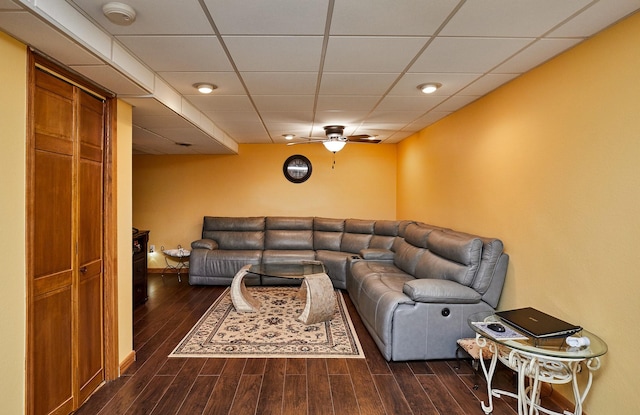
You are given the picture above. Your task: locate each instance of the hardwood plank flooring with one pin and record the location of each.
(157, 385)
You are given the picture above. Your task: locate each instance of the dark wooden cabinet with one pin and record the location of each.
(140, 241)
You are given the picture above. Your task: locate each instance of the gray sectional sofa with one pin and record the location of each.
(413, 284)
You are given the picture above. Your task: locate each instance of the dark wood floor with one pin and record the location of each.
(157, 385)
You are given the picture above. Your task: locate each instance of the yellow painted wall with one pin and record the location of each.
(125, 265)
(171, 194)
(13, 113)
(550, 164)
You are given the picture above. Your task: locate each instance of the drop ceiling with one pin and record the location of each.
(294, 66)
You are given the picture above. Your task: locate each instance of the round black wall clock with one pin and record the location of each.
(297, 168)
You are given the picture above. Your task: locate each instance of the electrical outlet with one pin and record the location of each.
(152, 248)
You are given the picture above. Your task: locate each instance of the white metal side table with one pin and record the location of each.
(181, 258)
(552, 362)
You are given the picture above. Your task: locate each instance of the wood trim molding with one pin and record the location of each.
(127, 361)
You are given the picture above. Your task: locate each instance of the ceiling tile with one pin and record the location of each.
(178, 53)
(346, 102)
(227, 82)
(470, 55)
(418, 103)
(510, 18)
(249, 17)
(221, 102)
(287, 83)
(342, 53)
(535, 54)
(451, 83)
(284, 102)
(382, 17)
(170, 17)
(356, 83)
(347, 118)
(456, 102)
(275, 53)
(396, 117)
(597, 17)
(487, 83)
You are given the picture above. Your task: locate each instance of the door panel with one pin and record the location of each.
(90, 237)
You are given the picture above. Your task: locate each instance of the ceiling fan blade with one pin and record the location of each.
(363, 138)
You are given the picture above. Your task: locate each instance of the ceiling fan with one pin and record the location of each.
(335, 140)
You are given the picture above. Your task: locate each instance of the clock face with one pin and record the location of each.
(297, 168)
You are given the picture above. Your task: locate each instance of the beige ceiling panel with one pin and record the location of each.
(158, 17)
(178, 53)
(356, 83)
(510, 18)
(382, 17)
(535, 54)
(275, 53)
(467, 55)
(221, 102)
(338, 103)
(281, 17)
(418, 103)
(383, 54)
(227, 83)
(595, 18)
(285, 83)
(451, 83)
(487, 83)
(292, 103)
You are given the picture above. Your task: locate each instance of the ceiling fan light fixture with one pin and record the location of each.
(205, 88)
(429, 88)
(119, 13)
(334, 145)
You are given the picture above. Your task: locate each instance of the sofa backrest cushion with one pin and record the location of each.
(288, 233)
(407, 256)
(384, 233)
(492, 250)
(235, 233)
(452, 257)
(357, 235)
(327, 234)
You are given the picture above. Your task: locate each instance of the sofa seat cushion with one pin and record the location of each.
(221, 263)
(270, 256)
(440, 291)
(335, 264)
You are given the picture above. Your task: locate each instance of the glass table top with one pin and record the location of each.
(556, 348)
(288, 269)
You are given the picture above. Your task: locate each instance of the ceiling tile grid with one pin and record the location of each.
(292, 67)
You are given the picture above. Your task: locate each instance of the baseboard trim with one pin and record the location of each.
(566, 403)
(127, 362)
(183, 271)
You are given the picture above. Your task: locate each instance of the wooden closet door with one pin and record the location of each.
(65, 313)
(90, 237)
(50, 361)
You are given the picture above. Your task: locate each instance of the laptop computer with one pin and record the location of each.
(537, 324)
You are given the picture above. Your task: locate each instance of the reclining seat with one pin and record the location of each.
(227, 245)
(417, 305)
(287, 239)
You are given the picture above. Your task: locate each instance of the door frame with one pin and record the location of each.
(35, 61)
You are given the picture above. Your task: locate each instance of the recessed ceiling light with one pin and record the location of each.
(429, 88)
(205, 88)
(288, 136)
(119, 13)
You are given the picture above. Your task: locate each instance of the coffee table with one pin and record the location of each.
(316, 288)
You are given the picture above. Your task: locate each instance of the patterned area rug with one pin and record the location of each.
(272, 332)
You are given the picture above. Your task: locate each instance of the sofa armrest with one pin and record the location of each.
(204, 244)
(377, 254)
(425, 290)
